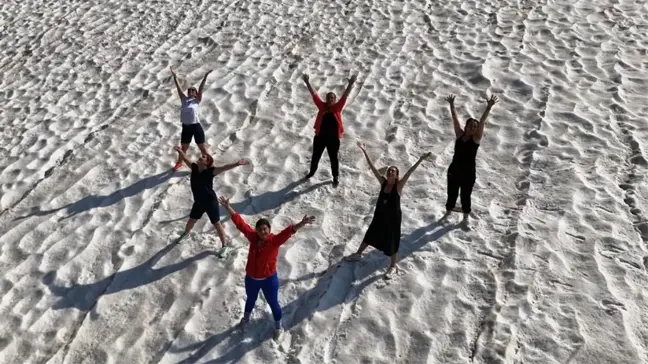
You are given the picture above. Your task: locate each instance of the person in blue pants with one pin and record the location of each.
(261, 267)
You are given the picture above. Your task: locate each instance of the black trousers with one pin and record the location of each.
(332, 146)
(463, 182)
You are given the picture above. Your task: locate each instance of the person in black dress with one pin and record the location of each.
(462, 171)
(202, 188)
(385, 229)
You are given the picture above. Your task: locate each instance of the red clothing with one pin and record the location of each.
(336, 109)
(262, 255)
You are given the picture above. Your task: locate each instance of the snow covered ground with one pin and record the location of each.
(552, 270)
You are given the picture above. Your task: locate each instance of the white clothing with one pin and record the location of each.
(189, 111)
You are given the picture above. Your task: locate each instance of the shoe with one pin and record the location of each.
(336, 182)
(277, 334)
(309, 175)
(177, 166)
(388, 273)
(224, 251)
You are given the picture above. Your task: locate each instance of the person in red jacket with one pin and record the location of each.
(261, 267)
(328, 128)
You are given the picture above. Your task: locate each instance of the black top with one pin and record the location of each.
(329, 126)
(202, 184)
(388, 202)
(464, 155)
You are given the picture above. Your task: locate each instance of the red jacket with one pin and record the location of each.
(322, 109)
(262, 255)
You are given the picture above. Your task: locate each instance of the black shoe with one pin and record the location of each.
(336, 182)
(308, 176)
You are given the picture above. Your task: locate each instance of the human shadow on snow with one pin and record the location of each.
(84, 296)
(261, 203)
(271, 200)
(95, 201)
(314, 300)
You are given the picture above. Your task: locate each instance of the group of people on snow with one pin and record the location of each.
(384, 231)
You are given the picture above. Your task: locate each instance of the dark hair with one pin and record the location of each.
(210, 160)
(330, 94)
(470, 120)
(192, 89)
(262, 222)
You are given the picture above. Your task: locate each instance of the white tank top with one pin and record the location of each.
(189, 111)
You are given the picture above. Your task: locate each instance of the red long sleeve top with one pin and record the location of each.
(262, 255)
(336, 109)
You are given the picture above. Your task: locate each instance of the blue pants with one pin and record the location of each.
(270, 288)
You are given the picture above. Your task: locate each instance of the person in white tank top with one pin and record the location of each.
(189, 116)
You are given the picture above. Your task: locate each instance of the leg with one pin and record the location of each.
(196, 213)
(453, 192)
(332, 148)
(271, 293)
(318, 149)
(213, 211)
(190, 225)
(466, 191)
(185, 140)
(199, 138)
(358, 254)
(252, 287)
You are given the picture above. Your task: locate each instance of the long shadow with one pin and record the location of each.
(95, 201)
(312, 301)
(263, 202)
(273, 199)
(84, 296)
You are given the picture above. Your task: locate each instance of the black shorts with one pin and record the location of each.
(211, 208)
(194, 131)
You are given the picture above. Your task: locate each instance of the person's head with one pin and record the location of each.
(192, 92)
(471, 127)
(262, 228)
(206, 161)
(392, 174)
(330, 98)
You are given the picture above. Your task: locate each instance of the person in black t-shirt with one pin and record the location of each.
(202, 188)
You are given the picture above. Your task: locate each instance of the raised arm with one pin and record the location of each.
(238, 221)
(379, 177)
(455, 119)
(227, 167)
(291, 229)
(347, 92)
(482, 122)
(402, 181)
(183, 156)
(175, 80)
(201, 88)
(316, 99)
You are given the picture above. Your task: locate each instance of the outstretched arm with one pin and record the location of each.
(455, 119)
(183, 156)
(402, 181)
(287, 232)
(227, 167)
(482, 122)
(316, 99)
(379, 177)
(175, 80)
(201, 88)
(347, 92)
(241, 225)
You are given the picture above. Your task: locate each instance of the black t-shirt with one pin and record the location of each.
(329, 127)
(202, 184)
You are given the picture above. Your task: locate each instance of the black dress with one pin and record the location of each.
(385, 229)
